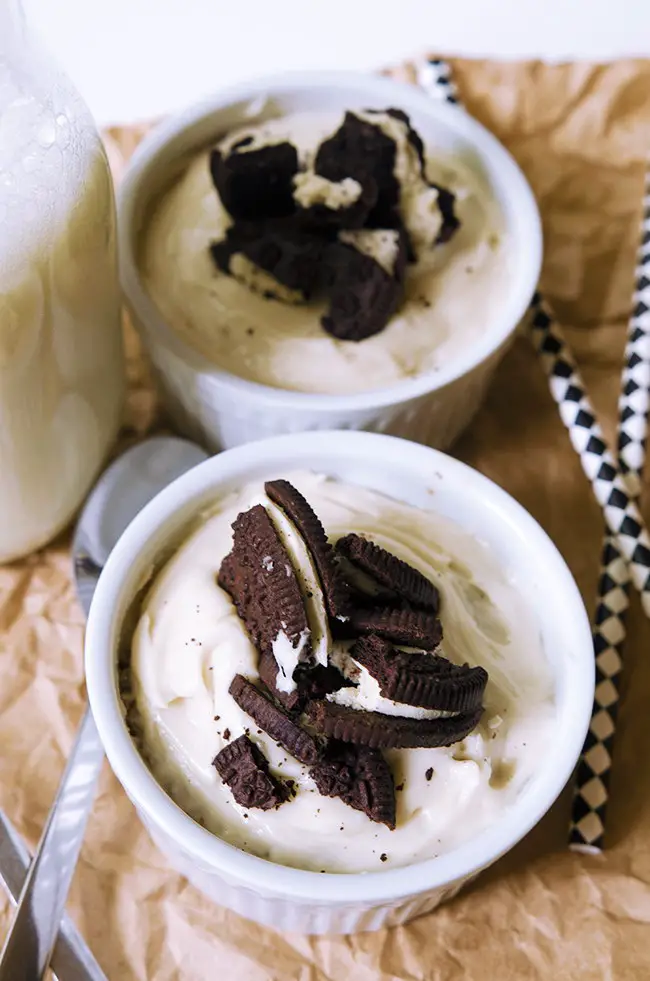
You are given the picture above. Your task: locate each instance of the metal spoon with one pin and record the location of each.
(121, 492)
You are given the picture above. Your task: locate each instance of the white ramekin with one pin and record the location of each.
(222, 410)
(291, 899)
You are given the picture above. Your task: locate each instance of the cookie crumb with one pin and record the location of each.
(429, 773)
(226, 734)
(383, 857)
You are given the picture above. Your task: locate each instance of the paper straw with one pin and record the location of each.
(621, 513)
(434, 76)
(588, 817)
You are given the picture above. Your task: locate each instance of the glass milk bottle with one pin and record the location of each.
(61, 359)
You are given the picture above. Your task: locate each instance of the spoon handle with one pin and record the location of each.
(35, 927)
(72, 959)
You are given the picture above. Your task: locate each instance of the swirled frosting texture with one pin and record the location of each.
(189, 643)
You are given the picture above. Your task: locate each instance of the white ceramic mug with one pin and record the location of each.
(292, 899)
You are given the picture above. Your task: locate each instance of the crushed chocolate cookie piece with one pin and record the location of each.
(412, 628)
(450, 222)
(428, 774)
(363, 295)
(274, 721)
(360, 150)
(362, 779)
(422, 679)
(262, 583)
(244, 768)
(395, 575)
(383, 857)
(321, 680)
(301, 514)
(257, 184)
(292, 701)
(327, 205)
(292, 256)
(226, 734)
(412, 135)
(389, 731)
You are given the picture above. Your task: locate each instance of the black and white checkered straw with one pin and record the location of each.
(434, 76)
(619, 508)
(587, 828)
(617, 484)
(621, 513)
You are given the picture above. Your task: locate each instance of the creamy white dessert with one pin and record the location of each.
(453, 292)
(189, 644)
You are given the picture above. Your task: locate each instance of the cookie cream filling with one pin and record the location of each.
(189, 643)
(453, 293)
(311, 189)
(366, 695)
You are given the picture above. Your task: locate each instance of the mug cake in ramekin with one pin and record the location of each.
(331, 687)
(325, 250)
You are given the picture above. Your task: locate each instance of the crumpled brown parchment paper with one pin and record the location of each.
(581, 134)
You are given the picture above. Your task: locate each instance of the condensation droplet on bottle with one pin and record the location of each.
(63, 130)
(31, 162)
(47, 132)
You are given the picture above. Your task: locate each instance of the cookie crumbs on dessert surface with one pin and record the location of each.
(383, 857)
(216, 718)
(400, 786)
(226, 734)
(429, 773)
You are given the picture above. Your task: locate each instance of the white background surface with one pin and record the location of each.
(134, 59)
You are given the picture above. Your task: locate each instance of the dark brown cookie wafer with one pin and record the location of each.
(392, 573)
(244, 768)
(321, 680)
(450, 222)
(363, 295)
(360, 150)
(293, 701)
(412, 628)
(291, 255)
(412, 134)
(255, 184)
(274, 721)
(446, 198)
(259, 577)
(389, 731)
(362, 779)
(425, 680)
(302, 515)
